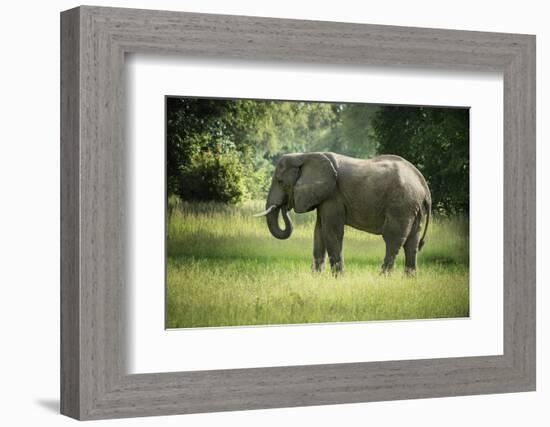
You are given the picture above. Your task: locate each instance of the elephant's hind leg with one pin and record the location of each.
(394, 234)
(411, 247)
(393, 244)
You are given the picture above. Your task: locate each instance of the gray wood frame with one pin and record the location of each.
(94, 383)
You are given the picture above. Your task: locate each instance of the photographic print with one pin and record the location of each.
(299, 212)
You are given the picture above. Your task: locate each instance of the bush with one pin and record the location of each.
(213, 177)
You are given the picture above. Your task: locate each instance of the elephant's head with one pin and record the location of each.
(300, 182)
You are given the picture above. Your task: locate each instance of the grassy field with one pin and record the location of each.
(225, 269)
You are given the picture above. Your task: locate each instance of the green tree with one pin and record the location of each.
(436, 141)
(294, 127)
(358, 139)
(211, 133)
(209, 176)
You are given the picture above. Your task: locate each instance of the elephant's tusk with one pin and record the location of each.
(267, 211)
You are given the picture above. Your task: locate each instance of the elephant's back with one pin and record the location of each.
(406, 171)
(380, 186)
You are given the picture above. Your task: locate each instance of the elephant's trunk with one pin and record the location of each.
(273, 223)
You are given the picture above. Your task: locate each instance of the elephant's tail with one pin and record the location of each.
(427, 203)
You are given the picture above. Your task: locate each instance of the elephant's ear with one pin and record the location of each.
(317, 182)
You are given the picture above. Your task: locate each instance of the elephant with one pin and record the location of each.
(385, 195)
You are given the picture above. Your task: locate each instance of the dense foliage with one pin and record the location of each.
(225, 150)
(210, 141)
(436, 141)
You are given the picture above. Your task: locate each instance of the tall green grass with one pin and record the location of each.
(225, 269)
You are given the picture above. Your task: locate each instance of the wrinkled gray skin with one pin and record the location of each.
(385, 195)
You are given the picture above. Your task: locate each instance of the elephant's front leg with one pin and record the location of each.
(319, 249)
(332, 225)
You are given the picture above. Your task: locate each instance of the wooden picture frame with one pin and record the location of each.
(94, 41)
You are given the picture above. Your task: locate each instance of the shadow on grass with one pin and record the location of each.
(268, 261)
